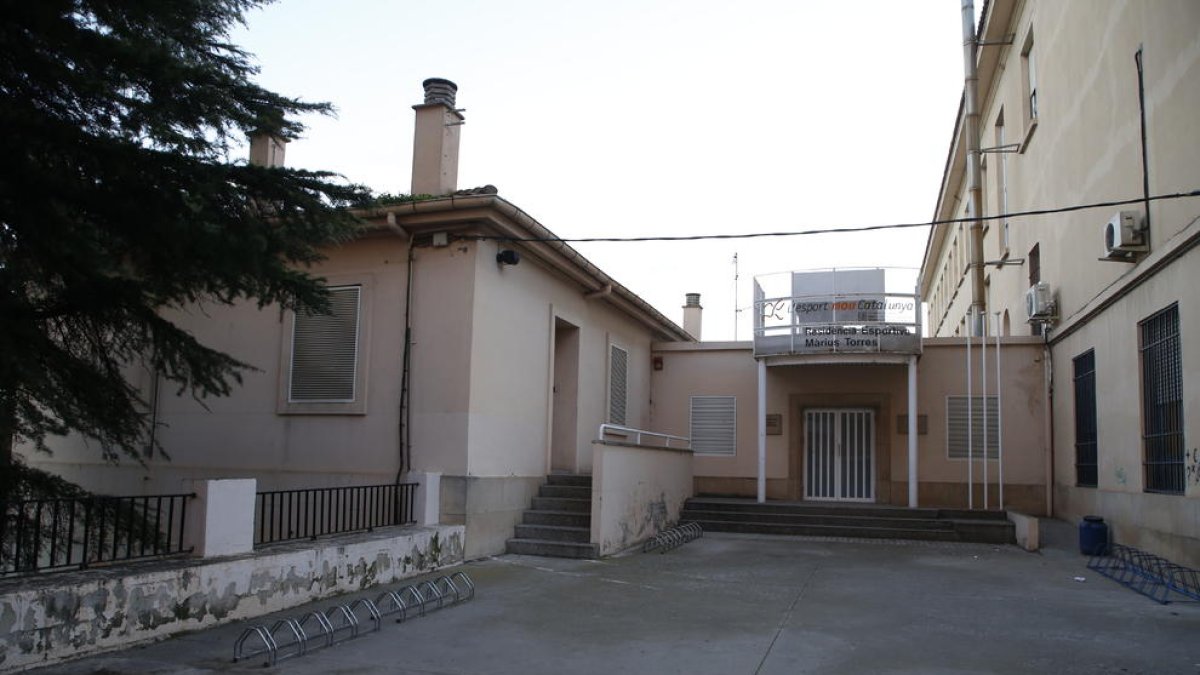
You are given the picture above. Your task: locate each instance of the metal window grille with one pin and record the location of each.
(617, 384)
(714, 425)
(957, 426)
(1086, 474)
(325, 350)
(1162, 402)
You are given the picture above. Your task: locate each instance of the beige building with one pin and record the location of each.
(518, 352)
(835, 385)
(1078, 103)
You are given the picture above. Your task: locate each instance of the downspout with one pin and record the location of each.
(974, 194)
(1137, 57)
(405, 421)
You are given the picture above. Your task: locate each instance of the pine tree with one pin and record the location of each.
(119, 202)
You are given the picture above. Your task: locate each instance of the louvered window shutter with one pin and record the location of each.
(956, 427)
(325, 350)
(617, 377)
(714, 425)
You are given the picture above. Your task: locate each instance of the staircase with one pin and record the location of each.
(848, 520)
(559, 524)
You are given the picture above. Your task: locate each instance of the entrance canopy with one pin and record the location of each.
(837, 311)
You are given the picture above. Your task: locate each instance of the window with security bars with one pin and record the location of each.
(714, 425)
(618, 371)
(325, 351)
(960, 427)
(1085, 419)
(1162, 402)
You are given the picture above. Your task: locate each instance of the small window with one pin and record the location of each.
(618, 372)
(1162, 402)
(714, 425)
(1002, 182)
(1029, 79)
(957, 424)
(1085, 419)
(325, 351)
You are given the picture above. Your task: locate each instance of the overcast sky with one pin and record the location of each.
(650, 117)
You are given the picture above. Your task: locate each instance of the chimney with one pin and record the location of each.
(266, 149)
(435, 141)
(691, 315)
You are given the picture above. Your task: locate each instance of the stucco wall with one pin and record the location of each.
(1165, 523)
(514, 312)
(64, 616)
(730, 370)
(242, 435)
(637, 491)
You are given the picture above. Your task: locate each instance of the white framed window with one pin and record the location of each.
(713, 426)
(324, 355)
(618, 384)
(1002, 183)
(957, 424)
(1029, 88)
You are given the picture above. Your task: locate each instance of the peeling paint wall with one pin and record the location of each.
(637, 491)
(63, 616)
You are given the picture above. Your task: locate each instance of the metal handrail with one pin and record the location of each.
(639, 434)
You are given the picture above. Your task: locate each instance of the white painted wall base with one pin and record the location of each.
(51, 618)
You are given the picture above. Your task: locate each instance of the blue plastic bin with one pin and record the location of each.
(1093, 536)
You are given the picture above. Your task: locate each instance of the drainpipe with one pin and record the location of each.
(974, 195)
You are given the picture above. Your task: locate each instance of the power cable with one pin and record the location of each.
(836, 230)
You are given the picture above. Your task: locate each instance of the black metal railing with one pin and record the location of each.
(287, 515)
(74, 533)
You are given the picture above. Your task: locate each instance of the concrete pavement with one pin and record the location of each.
(749, 604)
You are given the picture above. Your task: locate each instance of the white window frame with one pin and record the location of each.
(732, 450)
(358, 404)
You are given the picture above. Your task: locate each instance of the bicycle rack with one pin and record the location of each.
(342, 620)
(1153, 576)
(296, 636)
(373, 614)
(673, 537)
(293, 642)
(268, 645)
(322, 623)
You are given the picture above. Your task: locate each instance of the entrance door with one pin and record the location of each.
(564, 398)
(839, 454)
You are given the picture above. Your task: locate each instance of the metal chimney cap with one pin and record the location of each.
(693, 300)
(438, 90)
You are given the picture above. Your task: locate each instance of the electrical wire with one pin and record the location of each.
(837, 230)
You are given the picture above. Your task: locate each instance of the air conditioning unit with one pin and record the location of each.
(1039, 302)
(1124, 235)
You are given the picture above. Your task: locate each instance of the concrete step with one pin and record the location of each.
(562, 518)
(849, 520)
(554, 549)
(579, 535)
(580, 480)
(811, 508)
(566, 491)
(562, 504)
(827, 530)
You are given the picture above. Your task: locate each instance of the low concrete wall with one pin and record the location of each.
(636, 492)
(61, 616)
(1026, 530)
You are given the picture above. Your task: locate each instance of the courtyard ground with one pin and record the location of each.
(747, 604)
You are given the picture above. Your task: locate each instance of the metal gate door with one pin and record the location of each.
(839, 455)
